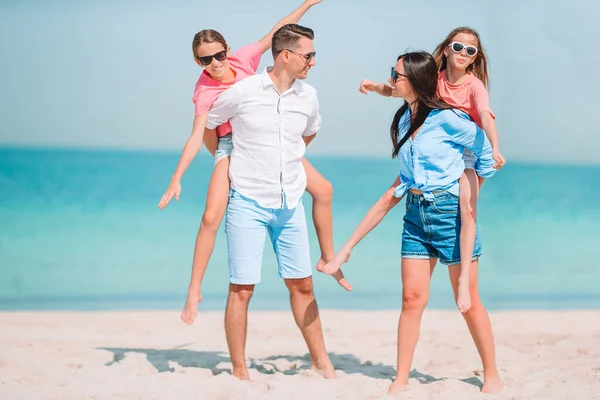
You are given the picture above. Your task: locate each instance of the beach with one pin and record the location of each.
(153, 355)
(91, 284)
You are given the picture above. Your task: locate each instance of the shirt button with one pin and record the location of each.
(421, 199)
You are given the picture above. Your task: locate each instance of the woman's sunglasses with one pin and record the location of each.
(457, 47)
(396, 74)
(206, 60)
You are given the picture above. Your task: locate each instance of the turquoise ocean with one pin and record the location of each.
(80, 230)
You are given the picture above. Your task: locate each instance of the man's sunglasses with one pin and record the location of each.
(396, 74)
(457, 47)
(206, 60)
(307, 57)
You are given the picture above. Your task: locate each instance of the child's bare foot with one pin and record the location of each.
(492, 385)
(326, 369)
(333, 265)
(188, 315)
(337, 274)
(396, 386)
(463, 300)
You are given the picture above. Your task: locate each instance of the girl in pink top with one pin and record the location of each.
(462, 83)
(221, 70)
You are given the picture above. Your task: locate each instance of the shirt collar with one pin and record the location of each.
(267, 82)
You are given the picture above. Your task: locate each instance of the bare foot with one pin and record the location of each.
(463, 300)
(188, 315)
(396, 386)
(333, 265)
(241, 373)
(325, 369)
(492, 385)
(337, 274)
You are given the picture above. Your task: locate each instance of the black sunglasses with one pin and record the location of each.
(206, 60)
(396, 74)
(307, 57)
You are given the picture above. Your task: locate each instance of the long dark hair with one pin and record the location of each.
(422, 74)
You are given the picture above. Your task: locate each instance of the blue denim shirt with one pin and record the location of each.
(433, 161)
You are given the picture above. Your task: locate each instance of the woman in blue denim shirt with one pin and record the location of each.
(429, 138)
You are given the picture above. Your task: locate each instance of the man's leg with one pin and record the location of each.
(289, 236)
(236, 327)
(246, 230)
(306, 314)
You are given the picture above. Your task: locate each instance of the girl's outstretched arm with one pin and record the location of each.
(381, 89)
(191, 148)
(292, 18)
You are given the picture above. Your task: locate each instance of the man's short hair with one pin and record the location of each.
(287, 37)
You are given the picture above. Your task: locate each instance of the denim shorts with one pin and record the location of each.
(247, 225)
(432, 229)
(224, 148)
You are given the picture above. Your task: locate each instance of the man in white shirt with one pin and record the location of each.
(273, 115)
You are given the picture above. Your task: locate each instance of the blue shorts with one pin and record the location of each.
(247, 224)
(224, 148)
(432, 229)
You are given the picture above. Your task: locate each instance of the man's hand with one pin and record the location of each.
(308, 139)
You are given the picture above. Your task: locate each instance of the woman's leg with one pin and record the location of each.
(216, 204)
(480, 327)
(416, 275)
(322, 193)
(469, 192)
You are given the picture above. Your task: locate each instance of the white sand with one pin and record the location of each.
(152, 355)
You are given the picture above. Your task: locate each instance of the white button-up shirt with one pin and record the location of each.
(268, 126)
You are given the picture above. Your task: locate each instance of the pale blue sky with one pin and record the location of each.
(114, 74)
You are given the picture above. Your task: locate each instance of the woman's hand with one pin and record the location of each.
(172, 191)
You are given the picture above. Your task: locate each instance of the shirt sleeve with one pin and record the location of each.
(249, 56)
(224, 109)
(204, 99)
(468, 134)
(481, 98)
(314, 120)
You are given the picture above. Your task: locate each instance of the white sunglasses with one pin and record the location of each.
(457, 47)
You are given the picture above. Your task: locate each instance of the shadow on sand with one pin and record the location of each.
(285, 364)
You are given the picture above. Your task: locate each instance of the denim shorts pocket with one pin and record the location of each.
(446, 205)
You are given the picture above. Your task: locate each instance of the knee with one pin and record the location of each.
(301, 287)
(323, 192)
(413, 300)
(468, 211)
(211, 220)
(241, 293)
